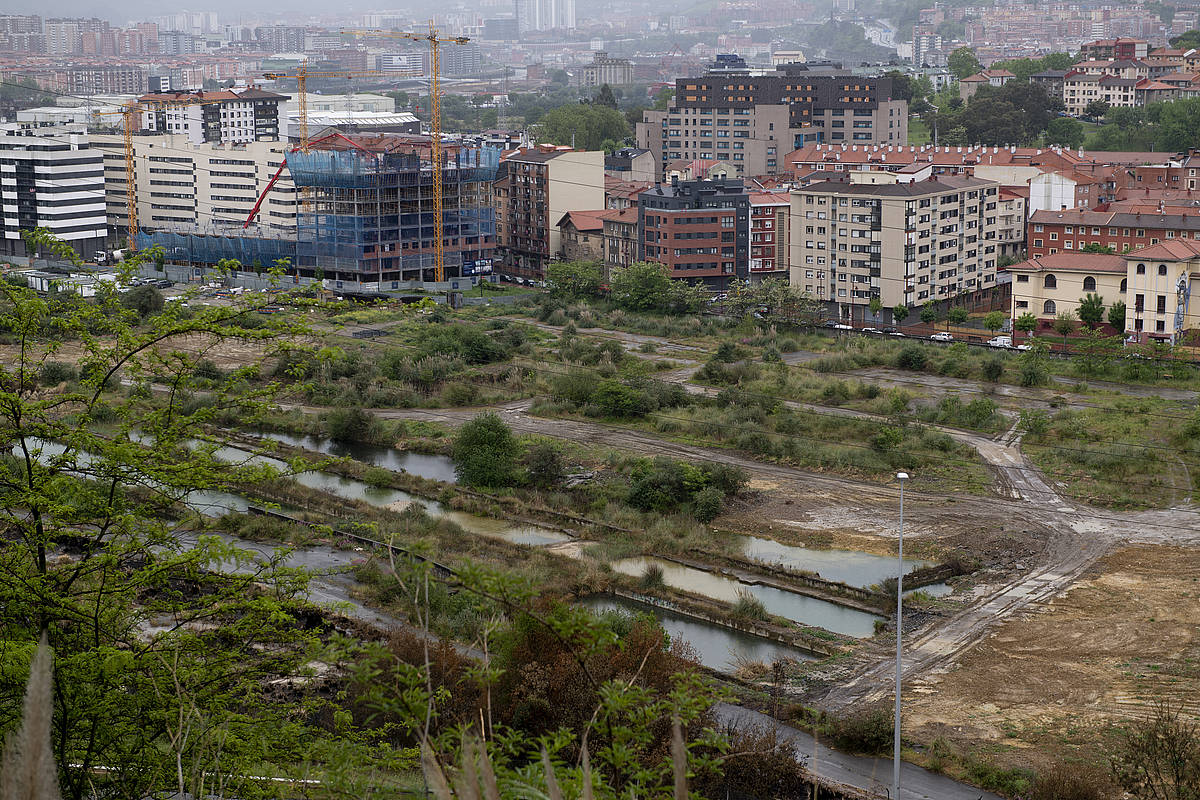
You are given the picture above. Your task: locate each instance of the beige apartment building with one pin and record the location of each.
(180, 183)
(1155, 283)
(534, 188)
(904, 238)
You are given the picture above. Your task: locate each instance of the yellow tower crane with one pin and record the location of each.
(435, 113)
(129, 113)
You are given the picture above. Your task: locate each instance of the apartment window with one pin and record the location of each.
(1050, 282)
(1049, 308)
(1140, 269)
(1139, 303)
(1160, 326)
(1038, 228)
(1161, 304)
(1162, 270)
(1054, 237)
(1037, 242)
(1022, 279)
(1089, 284)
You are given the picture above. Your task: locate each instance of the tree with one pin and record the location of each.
(586, 126)
(1116, 315)
(1091, 309)
(145, 300)
(1188, 40)
(876, 305)
(899, 313)
(1160, 758)
(648, 286)
(485, 452)
(929, 313)
(957, 315)
(1096, 109)
(1065, 131)
(963, 63)
(115, 499)
(572, 280)
(605, 97)
(1026, 323)
(1093, 247)
(559, 77)
(904, 87)
(994, 321)
(1064, 323)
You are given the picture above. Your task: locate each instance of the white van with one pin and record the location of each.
(1000, 341)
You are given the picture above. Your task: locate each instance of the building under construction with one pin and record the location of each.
(367, 215)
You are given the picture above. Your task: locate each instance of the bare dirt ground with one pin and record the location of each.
(1047, 684)
(226, 354)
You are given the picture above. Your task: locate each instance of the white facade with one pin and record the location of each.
(180, 183)
(51, 177)
(544, 15)
(1050, 191)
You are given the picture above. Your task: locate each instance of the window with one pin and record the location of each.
(1089, 284)
(1161, 304)
(1124, 282)
(1141, 269)
(1162, 270)
(1037, 242)
(1048, 307)
(1050, 282)
(1022, 279)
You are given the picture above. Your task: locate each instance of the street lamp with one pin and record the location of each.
(902, 476)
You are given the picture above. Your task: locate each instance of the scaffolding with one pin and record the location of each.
(372, 215)
(213, 245)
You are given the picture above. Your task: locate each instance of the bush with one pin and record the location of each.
(544, 465)
(727, 352)
(771, 354)
(144, 300)
(747, 606)
(887, 440)
(485, 452)
(1068, 782)
(653, 577)
(911, 357)
(377, 477)
(709, 503)
(993, 369)
(349, 424)
(460, 394)
(56, 372)
(868, 731)
(616, 399)
(207, 370)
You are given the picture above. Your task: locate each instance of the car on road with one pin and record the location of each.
(897, 333)
(1021, 347)
(1000, 341)
(942, 336)
(869, 330)
(837, 326)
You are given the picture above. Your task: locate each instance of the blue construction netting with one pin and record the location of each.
(354, 168)
(212, 248)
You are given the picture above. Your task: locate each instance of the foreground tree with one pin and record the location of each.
(648, 286)
(98, 556)
(1091, 309)
(1160, 759)
(485, 452)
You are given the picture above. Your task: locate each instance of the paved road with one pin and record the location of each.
(871, 774)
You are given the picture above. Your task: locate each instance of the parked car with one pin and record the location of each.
(942, 336)
(869, 330)
(897, 333)
(1000, 341)
(837, 326)
(1021, 347)
(890, 330)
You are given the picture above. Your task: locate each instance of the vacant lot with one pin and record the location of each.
(1051, 685)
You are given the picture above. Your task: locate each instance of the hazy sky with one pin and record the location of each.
(125, 10)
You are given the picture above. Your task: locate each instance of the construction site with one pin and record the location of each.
(368, 217)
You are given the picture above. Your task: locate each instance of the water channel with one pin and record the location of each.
(790, 605)
(717, 648)
(434, 467)
(850, 567)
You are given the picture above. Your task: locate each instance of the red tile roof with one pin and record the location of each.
(1070, 262)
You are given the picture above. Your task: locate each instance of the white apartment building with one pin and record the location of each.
(51, 176)
(904, 238)
(181, 183)
(226, 116)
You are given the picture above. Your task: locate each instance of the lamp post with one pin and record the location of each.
(902, 476)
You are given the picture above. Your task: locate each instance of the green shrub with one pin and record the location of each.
(653, 577)
(887, 440)
(460, 394)
(377, 477)
(351, 424)
(1068, 782)
(485, 452)
(911, 357)
(748, 607)
(56, 372)
(709, 503)
(207, 370)
(867, 731)
(771, 354)
(615, 399)
(727, 352)
(993, 369)
(544, 465)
